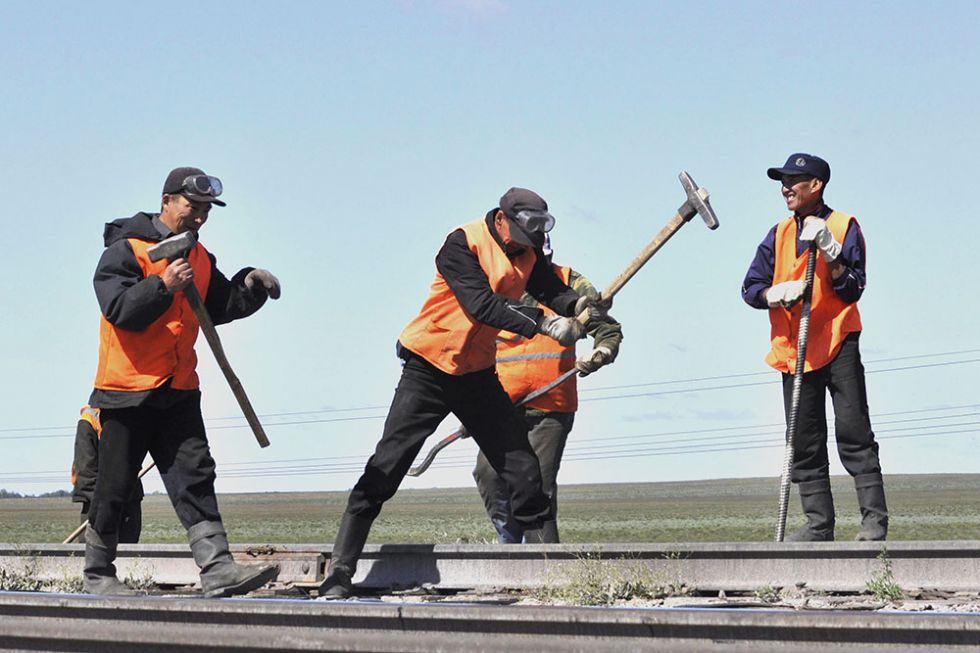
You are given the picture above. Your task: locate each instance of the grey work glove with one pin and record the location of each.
(592, 361)
(259, 278)
(785, 294)
(566, 330)
(598, 308)
(815, 230)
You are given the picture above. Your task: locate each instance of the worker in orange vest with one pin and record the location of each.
(523, 366)
(147, 387)
(775, 282)
(448, 352)
(84, 470)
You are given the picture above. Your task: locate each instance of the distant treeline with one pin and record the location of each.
(6, 494)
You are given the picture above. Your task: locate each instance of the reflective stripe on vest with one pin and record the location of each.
(91, 415)
(132, 361)
(526, 364)
(831, 318)
(446, 335)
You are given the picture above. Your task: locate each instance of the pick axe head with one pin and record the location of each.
(174, 247)
(697, 202)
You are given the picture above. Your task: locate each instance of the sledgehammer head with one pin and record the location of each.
(174, 247)
(697, 202)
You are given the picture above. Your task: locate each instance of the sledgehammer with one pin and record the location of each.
(695, 204)
(179, 246)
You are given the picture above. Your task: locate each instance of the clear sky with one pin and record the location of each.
(353, 136)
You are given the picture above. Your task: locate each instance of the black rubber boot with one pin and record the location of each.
(818, 506)
(99, 575)
(220, 574)
(874, 512)
(347, 548)
(549, 531)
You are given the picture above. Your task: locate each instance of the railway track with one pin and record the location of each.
(742, 566)
(455, 597)
(162, 625)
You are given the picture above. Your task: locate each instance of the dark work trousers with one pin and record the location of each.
(175, 439)
(843, 377)
(424, 397)
(547, 433)
(85, 469)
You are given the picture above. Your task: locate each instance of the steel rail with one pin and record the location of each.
(738, 566)
(161, 625)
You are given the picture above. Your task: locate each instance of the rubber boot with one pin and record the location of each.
(549, 531)
(874, 513)
(220, 574)
(347, 548)
(818, 506)
(99, 575)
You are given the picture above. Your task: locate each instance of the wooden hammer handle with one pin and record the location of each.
(81, 528)
(211, 334)
(652, 248)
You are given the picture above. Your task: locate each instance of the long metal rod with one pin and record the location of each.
(794, 411)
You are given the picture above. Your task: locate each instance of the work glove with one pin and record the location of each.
(815, 230)
(785, 294)
(566, 330)
(598, 308)
(592, 361)
(259, 278)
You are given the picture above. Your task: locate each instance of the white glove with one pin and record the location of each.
(592, 361)
(785, 294)
(815, 229)
(566, 330)
(264, 279)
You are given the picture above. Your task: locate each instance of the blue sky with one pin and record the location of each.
(352, 137)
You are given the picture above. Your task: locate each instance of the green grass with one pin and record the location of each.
(923, 507)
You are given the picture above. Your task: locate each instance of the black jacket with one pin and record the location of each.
(131, 301)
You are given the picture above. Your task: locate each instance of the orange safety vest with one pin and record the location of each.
(446, 335)
(132, 361)
(831, 318)
(526, 364)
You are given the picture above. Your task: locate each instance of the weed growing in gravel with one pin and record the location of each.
(768, 594)
(594, 581)
(882, 584)
(27, 577)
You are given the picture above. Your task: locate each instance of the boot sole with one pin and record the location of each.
(246, 586)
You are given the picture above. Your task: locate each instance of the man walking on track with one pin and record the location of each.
(146, 386)
(523, 366)
(775, 281)
(449, 350)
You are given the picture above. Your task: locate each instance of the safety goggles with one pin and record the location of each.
(202, 185)
(540, 221)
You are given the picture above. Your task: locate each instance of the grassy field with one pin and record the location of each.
(923, 507)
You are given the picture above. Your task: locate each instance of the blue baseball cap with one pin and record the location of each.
(802, 164)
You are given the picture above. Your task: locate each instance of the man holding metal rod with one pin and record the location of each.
(525, 365)
(448, 353)
(147, 388)
(775, 281)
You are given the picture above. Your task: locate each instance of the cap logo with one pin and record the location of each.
(801, 162)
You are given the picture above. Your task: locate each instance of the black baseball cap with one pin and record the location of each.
(513, 202)
(175, 185)
(802, 164)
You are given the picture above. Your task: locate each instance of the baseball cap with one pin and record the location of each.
(528, 215)
(802, 164)
(177, 183)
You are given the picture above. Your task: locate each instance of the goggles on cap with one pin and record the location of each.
(540, 221)
(201, 185)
